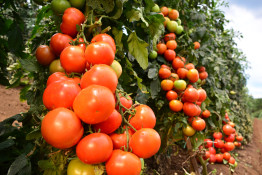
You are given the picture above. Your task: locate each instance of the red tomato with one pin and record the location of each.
(193, 75)
(182, 72)
(58, 42)
(61, 128)
(205, 113)
(202, 95)
(102, 75)
(126, 102)
(226, 156)
(77, 80)
(169, 36)
(82, 46)
(57, 76)
(239, 138)
(201, 69)
(94, 104)
(174, 77)
(190, 66)
(169, 55)
(227, 129)
(99, 53)
(177, 63)
(167, 85)
(203, 75)
(212, 150)
(94, 148)
(123, 163)
(231, 160)
(171, 44)
(231, 124)
(191, 95)
(105, 38)
(207, 155)
(219, 143)
(217, 135)
(229, 146)
(71, 18)
(161, 48)
(140, 141)
(230, 138)
(44, 55)
(72, 59)
(171, 95)
(190, 109)
(199, 124)
(219, 158)
(175, 105)
(111, 124)
(120, 140)
(164, 73)
(196, 45)
(208, 142)
(60, 94)
(212, 158)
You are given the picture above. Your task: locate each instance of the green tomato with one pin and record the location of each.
(171, 26)
(116, 66)
(55, 66)
(77, 167)
(180, 85)
(179, 30)
(232, 92)
(155, 8)
(153, 54)
(179, 21)
(188, 131)
(59, 6)
(77, 3)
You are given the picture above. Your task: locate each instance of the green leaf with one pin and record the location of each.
(156, 28)
(35, 134)
(15, 38)
(118, 10)
(152, 73)
(19, 163)
(29, 65)
(46, 164)
(197, 139)
(118, 37)
(6, 144)
(155, 88)
(148, 5)
(106, 6)
(138, 49)
(136, 15)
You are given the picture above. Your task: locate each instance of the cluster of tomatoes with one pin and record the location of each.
(91, 99)
(218, 150)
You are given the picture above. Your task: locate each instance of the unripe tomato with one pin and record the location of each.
(61, 128)
(166, 21)
(44, 55)
(77, 167)
(199, 124)
(175, 105)
(58, 42)
(55, 66)
(152, 55)
(94, 148)
(77, 3)
(59, 6)
(116, 66)
(188, 131)
(180, 85)
(105, 38)
(140, 141)
(171, 26)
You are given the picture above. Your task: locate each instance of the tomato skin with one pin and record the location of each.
(212, 158)
(217, 135)
(126, 102)
(167, 85)
(161, 48)
(171, 44)
(193, 75)
(202, 95)
(191, 95)
(219, 158)
(177, 63)
(196, 45)
(82, 46)
(111, 124)
(44, 55)
(175, 105)
(227, 129)
(144, 117)
(123, 163)
(170, 36)
(70, 19)
(190, 66)
(60, 94)
(102, 75)
(61, 128)
(205, 113)
(164, 10)
(203, 75)
(212, 150)
(188, 131)
(219, 143)
(232, 160)
(229, 146)
(58, 42)
(182, 72)
(239, 138)
(199, 124)
(207, 155)
(230, 138)
(209, 143)
(77, 167)
(105, 38)
(77, 3)
(171, 95)
(174, 77)
(99, 53)
(164, 73)
(180, 85)
(55, 66)
(94, 104)
(190, 109)
(94, 148)
(226, 156)
(116, 66)
(201, 69)
(120, 140)
(169, 55)
(72, 59)
(173, 14)
(141, 139)
(57, 76)
(59, 6)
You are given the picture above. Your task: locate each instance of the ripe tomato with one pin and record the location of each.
(161, 48)
(209, 143)
(182, 72)
(199, 124)
(116, 66)
(203, 75)
(231, 124)
(55, 66)
(190, 66)
(72, 59)
(171, 44)
(140, 141)
(201, 69)
(229, 146)
(192, 75)
(61, 128)
(236, 144)
(111, 124)
(125, 101)
(173, 14)
(227, 129)
(44, 55)
(144, 117)
(219, 143)
(77, 167)
(232, 160)
(77, 80)
(71, 18)
(169, 55)
(94, 148)
(60, 94)
(190, 109)
(212, 158)
(105, 38)
(164, 10)
(191, 95)
(120, 140)
(59, 6)
(217, 135)
(57, 76)
(171, 95)
(99, 53)
(94, 104)
(177, 63)
(226, 156)
(82, 46)
(212, 150)
(102, 75)
(122, 162)
(219, 158)
(165, 66)
(207, 155)
(164, 73)
(167, 85)
(202, 95)
(180, 85)
(239, 138)
(174, 77)
(196, 45)
(58, 42)
(169, 36)
(230, 138)
(188, 131)
(175, 105)
(205, 113)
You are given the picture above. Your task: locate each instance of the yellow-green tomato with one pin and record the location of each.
(117, 68)
(188, 131)
(77, 167)
(56, 66)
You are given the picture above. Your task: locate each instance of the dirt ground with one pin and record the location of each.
(249, 156)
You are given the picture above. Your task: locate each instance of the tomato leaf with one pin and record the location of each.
(148, 5)
(35, 134)
(6, 144)
(155, 88)
(138, 49)
(29, 64)
(118, 37)
(118, 10)
(100, 6)
(46, 164)
(19, 163)
(197, 139)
